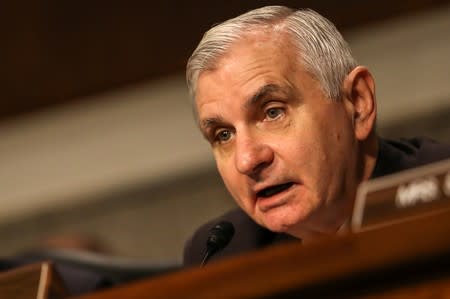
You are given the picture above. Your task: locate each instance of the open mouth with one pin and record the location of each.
(274, 190)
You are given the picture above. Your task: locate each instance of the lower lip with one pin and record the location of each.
(266, 203)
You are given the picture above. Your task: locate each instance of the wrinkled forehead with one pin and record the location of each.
(251, 64)
(270, 48)
(252, 50)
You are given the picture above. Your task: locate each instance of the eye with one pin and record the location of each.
(223, 135)
(274, 113)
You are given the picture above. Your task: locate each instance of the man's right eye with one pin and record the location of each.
(223, 135)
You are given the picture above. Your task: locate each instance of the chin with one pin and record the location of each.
(281, 222)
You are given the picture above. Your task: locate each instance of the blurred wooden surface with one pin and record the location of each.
(406, 260)
(37, 281)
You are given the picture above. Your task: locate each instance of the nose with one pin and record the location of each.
(252, 155)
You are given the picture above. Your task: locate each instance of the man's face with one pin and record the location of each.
(287, 154)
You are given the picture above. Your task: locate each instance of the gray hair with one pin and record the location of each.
(322, 50)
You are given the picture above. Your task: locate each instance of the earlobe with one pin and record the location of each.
(359, 90)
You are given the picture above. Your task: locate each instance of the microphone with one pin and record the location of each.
(219, 237)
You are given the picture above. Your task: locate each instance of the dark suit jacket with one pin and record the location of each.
(393, 156)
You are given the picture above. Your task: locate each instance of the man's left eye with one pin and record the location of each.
(273, 113)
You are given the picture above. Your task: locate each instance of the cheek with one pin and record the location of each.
(302, 146)
(224, 171)
(309, 153)
(229, 176)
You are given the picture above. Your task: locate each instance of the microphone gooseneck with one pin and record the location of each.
(219, 237)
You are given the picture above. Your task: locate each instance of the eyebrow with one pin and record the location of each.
(210, 122)
(261, 93)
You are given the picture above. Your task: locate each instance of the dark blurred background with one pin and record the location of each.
(96, 136)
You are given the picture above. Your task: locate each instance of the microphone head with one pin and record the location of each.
(220, 236)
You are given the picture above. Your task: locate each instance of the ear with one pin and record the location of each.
(359, 92)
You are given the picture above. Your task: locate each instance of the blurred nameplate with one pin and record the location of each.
(418, 192)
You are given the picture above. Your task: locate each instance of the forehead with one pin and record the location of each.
(258, 58)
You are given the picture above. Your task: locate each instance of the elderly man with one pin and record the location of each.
(290, 117)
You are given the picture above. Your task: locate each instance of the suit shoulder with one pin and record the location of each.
(431, 150)
(396, 155)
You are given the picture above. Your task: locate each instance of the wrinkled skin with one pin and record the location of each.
(270, 124)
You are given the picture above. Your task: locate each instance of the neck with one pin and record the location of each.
(368, 157)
